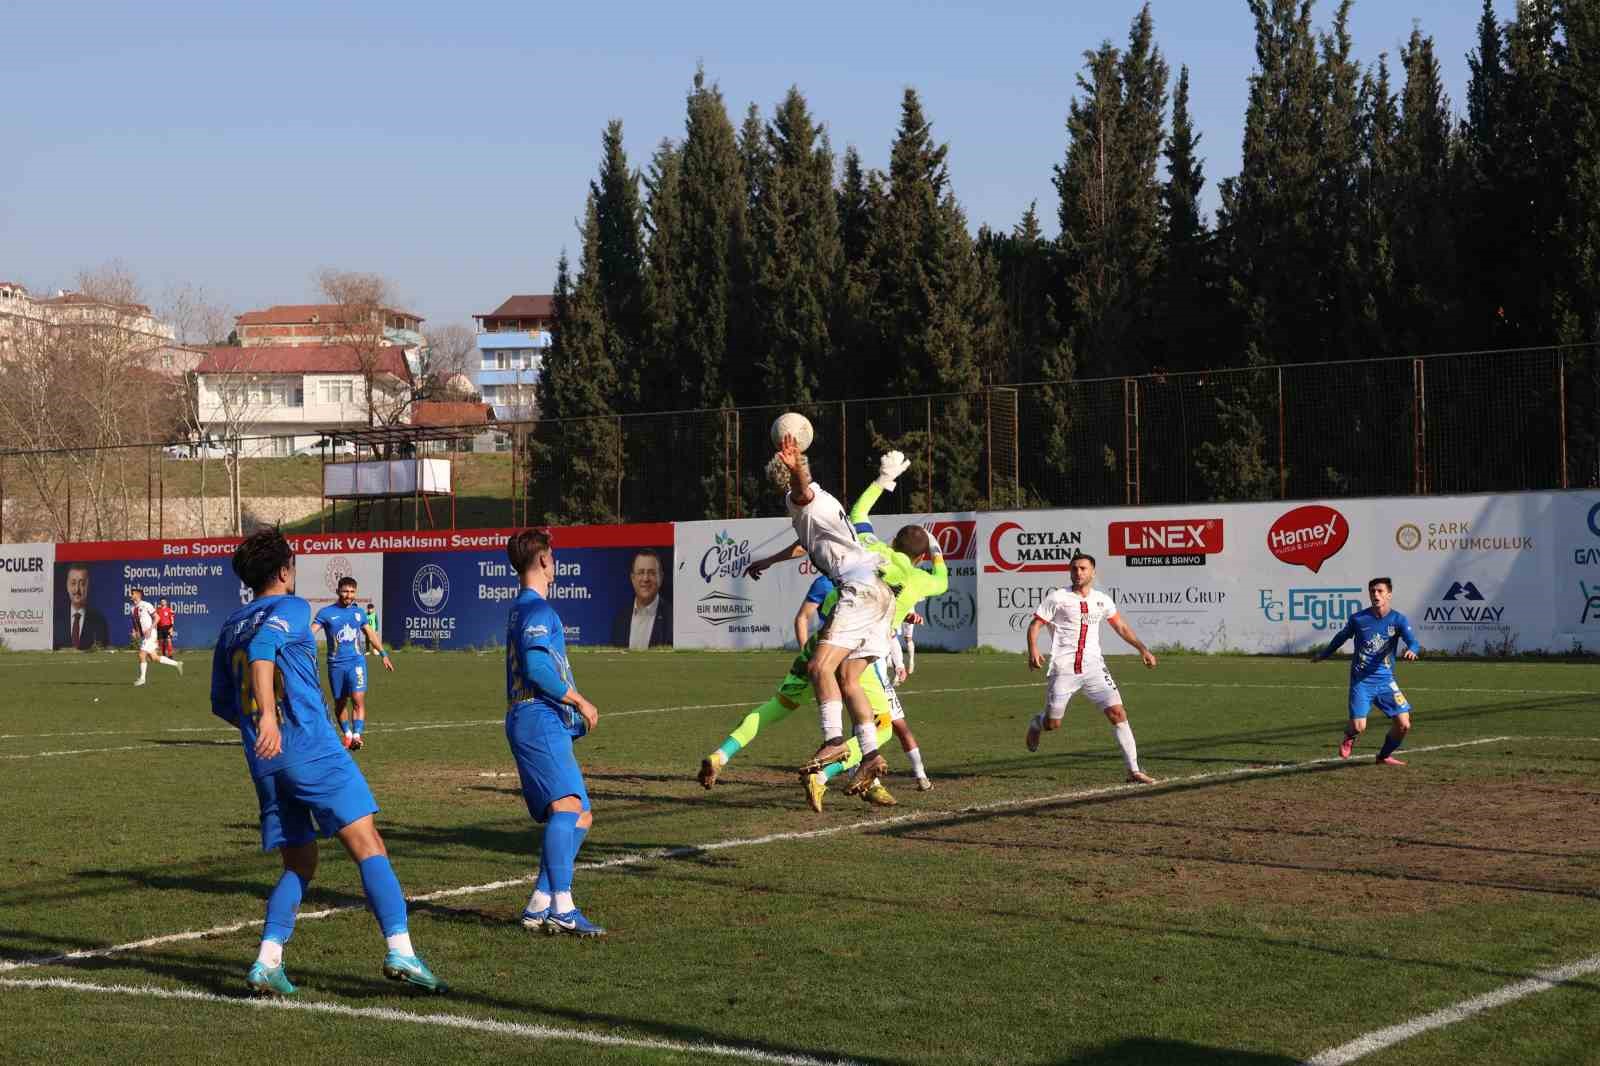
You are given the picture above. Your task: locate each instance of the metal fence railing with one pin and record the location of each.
(1493, 421)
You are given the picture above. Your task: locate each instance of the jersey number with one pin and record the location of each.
(247, 695)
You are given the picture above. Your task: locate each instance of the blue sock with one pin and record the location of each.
(282, 905)
(384, 897)
(359, 726)
(579, 835)
(1390, 743)
(560, 847)
(729, 748)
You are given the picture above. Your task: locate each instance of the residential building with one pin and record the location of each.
(291, 395)
(300, 324)
(511, 343)
(108, 328)
(479, 436)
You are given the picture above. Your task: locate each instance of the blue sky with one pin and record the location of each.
(242, 146)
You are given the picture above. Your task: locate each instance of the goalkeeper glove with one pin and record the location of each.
(890, 467)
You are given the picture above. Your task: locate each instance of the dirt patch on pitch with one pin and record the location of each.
(1362, 839)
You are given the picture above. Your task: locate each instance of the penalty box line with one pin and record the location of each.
(521, 1030)
(1381, 1039)
(689, 850)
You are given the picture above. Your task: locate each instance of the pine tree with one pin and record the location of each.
(1425, 200)
(620, 266)
(578, 461)
(1485, 230)
(1190, 293)
(802, 257)
(860, 200)
(659, 381)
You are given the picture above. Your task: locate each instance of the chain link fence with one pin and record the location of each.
(1499, 421)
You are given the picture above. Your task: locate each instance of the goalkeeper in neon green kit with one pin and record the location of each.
(900, 571)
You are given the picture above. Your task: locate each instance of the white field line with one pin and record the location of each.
(1137, 682)
(518, 1030)
(1380, 1039)
(658, 854)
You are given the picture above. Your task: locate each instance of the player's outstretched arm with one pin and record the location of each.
(1338, 640)
(759, 567)
(1120, 626)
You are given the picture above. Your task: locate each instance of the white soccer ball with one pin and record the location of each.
(792, 424)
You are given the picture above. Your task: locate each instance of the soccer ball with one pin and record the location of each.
(792, 424)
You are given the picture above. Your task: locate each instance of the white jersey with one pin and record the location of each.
(823, 529)
(144, 618)
(1076, 620)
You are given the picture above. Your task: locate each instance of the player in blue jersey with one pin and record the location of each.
(307, 784)
(1378, 632)
(544, 714)
(342, 624)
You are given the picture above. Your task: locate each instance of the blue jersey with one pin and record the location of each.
(821, 593)
(275, 629)
(341, 626)
(1376, 642)
(537, 671)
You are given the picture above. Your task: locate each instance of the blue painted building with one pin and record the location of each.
(511, 343)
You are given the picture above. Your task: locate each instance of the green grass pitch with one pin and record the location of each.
(1254, 907)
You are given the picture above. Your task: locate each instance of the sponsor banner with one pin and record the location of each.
(718, 607)
(1472, 573)
(460, 599)
(25, 601)
(92, 608)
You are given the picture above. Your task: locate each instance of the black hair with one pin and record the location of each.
(259, 557)
(1385, 582)
(1084, 555)
(347, 580)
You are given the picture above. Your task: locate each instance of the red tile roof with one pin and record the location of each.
(295, 314)
(300, 359)
(524, 307)
(450, 413)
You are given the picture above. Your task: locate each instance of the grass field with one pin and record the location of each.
(1265, 903)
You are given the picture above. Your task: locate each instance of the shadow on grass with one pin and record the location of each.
(1146, 1051)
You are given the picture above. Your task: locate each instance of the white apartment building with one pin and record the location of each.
(128, 329)
(289, 397)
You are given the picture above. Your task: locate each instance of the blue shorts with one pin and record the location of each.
(347, 678)
(542, 746)
(1384, 691)
(327, 790)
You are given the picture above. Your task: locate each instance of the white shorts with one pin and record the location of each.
(861, 619)
(1095, 683)
(149, 646)
(897, 713)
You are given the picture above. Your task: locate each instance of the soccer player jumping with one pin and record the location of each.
(1378, 632)
(544, 714)
(1076, 663)
(342, 623)
(264, 682)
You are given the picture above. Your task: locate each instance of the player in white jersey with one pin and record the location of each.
(144, 632)
(858, 632)
(1076, 663)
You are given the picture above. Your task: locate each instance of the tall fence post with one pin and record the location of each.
(1130, 441)
(844, 452)
(1561, 411)
(1419, 430)
(988, 443)
(927, 449)
(149, 492)
(69, 497)
(1283, 467)
(161, 494)
(621, 467)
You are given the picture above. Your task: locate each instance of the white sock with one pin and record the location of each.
(563, 903)
(540, 900)
(271, 954)
(1130, 750)
(915, 755)
(867, 737)
(164, 661)
(143, 666)
(830, 716)
(400, 942)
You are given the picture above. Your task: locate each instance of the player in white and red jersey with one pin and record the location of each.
(1076, 663)
(143, 614)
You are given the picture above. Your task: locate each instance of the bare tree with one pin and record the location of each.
(446, 355)
(364, 304)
